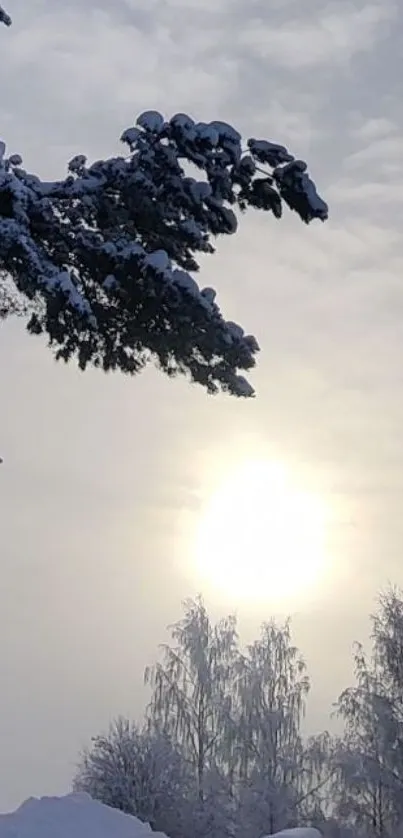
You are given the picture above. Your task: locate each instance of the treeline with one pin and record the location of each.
(221, 751)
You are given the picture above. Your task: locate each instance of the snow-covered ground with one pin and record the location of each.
(78, 816)
(73, 816)
(298, 832)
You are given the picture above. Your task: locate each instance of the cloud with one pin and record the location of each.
(373, 173)
(374, 128)
(371, 196)
(376, 154)
(335, 36)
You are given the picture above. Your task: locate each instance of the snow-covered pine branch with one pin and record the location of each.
(4, 17)
(107, 256)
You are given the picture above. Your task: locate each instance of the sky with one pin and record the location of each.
(105, 479)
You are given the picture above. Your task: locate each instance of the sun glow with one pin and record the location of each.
(261, 537)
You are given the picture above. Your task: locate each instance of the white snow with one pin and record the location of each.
(130, 136)
(77, 163)
(132, 249)
(209, 294)
(64, 281)
(296, 165)
(243, 388)
(298, 832)
(15, 160)
(200, 190)
(208, 133)
(72, 816)
(251, 343)
(183, 121)
(227, 131)
(78, 816)
(319, 207)
(295, 173)
(151, 121)
(191, 227)
(235, 330)
(159, 260)
(185, 281)
(248, 165)
(271, 153)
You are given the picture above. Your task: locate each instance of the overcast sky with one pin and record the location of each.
(104, 477)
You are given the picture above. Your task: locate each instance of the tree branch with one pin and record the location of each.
(4, 17)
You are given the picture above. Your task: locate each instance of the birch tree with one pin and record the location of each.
(369, 786)
(277, 772)
(192, 685)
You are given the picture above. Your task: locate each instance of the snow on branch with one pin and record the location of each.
(107, 257)
(4, 17)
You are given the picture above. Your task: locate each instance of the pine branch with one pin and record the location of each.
(4, 17)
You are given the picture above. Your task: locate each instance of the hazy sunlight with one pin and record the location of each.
(261, 537)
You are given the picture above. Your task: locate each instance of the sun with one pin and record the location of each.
(261, 537)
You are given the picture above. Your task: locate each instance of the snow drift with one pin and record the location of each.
(72, 816)
(78, 816)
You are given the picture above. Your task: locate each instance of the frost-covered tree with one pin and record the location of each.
(387, 635)
(222, 753)
(106, 257)
(237, 717)
(192, 687)
(368, 788)
(138, 772)
(277, 771)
